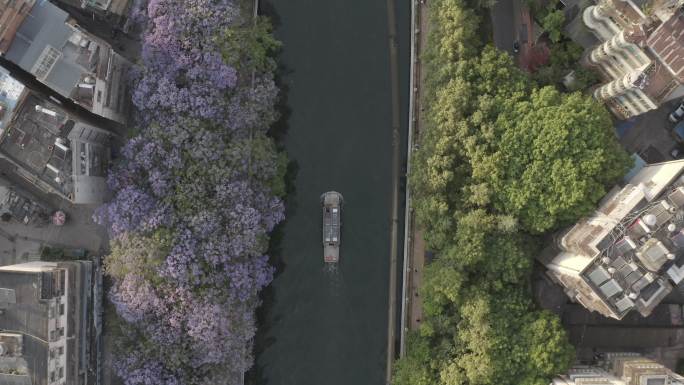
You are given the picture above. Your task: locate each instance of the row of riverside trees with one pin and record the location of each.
(502, 161)
(197, 190)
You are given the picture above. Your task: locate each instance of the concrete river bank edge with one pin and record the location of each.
(409, 229)
(396, 180)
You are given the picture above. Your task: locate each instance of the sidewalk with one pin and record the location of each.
(415, 245)
(417, 265)
(22, 243)
(417, 250)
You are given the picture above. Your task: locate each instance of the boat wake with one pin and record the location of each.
(331, 270)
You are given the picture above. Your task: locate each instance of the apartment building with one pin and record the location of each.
(620, 369)
(45, 323)
(52, 150)
(114, 10)
(641, 55)
(629, 254)
(44, 40)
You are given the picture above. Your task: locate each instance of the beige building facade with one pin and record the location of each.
(620, 369)
(629, 254)
(44, 323)
(641, 56)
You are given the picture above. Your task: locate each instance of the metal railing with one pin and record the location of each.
(408, 219)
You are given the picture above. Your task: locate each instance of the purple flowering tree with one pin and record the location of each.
(196, 194)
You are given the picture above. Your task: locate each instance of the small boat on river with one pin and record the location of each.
(332, 222)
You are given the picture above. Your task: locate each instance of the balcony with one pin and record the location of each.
(600, 25)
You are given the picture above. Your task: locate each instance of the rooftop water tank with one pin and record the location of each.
(650, 220)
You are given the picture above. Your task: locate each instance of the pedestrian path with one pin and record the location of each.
(415, 245)
(417, 265)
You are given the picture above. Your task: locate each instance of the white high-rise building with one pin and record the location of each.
(641, 55)
(620, 369)
(630, 252)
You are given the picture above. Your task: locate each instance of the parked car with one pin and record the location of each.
(677, 114)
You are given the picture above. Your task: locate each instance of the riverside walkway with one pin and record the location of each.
(414, 245)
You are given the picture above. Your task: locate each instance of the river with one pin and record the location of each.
(321, 326)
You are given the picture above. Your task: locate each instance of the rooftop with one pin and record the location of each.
(35, 139)
(631, 251)
(12, 14)
(25, 318)
(57, 53)
(640, 253)
(667, 42)
(10, 93)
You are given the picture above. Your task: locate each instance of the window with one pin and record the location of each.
(99, 96)
(655, 381)
(60, 350)
(61, 309)
(61, 372)
(98, 4)
(52, 376)
(46, 60)
(61, 331)
(53, 335)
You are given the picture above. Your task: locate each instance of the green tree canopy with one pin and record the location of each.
(134, 253)
(416, 368)
(500, 339)
(556, 155)
(553, 24)
(540, 155)
(250, 46)
(500, 162)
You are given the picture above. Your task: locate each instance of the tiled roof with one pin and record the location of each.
(668, 43)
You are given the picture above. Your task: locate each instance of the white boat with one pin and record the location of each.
(332, 222)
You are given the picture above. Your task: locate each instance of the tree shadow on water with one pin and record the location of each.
(264, 316)
(278, 131)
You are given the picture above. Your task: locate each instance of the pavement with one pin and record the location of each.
(512, 22)
(649, 134)
(506, 29)
(416, 244)
(417, 266)
(21, 243)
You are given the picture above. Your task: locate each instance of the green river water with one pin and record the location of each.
(329, 326)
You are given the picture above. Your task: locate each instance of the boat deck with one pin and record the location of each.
(332, 203)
